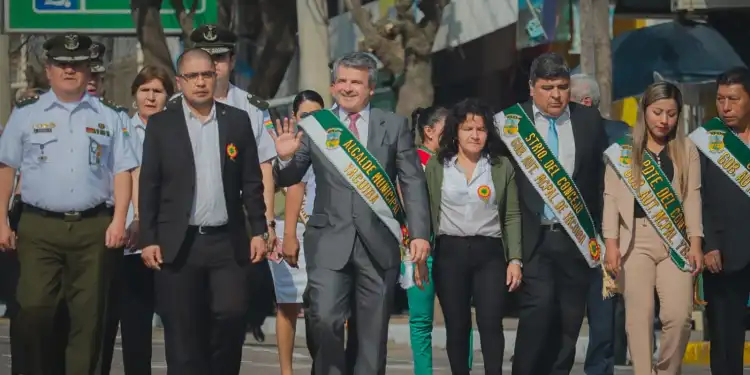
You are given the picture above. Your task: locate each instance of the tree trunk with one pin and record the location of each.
(150, 33)
(603, 45)
(225, 11)
(417, 90)
(275, 47)
(404, 46)
(588, 29)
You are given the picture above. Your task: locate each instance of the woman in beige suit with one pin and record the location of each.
(637, 255)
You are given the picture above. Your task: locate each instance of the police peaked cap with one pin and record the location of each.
(214, 39)
(68, 48)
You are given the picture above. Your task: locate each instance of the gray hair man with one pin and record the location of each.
(584, 90)
(353, 258)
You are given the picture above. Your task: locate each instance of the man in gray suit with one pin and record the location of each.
(352, 252)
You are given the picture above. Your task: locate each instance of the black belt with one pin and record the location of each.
(208, 230)
(553, 227)
(70, 215)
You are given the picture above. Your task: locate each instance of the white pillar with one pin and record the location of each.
(312, 26)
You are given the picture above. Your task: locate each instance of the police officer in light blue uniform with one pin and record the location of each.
(68, 146)
(95, 87)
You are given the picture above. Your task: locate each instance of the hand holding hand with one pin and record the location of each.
(287, 138)
(419, 250)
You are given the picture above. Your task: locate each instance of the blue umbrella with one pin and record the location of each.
(682, 53)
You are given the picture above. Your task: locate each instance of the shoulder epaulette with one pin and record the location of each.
(26, 101)
(257, 102)
(112, 105)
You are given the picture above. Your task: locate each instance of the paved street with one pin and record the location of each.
(261, 359)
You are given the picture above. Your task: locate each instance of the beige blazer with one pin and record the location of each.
(618, 219)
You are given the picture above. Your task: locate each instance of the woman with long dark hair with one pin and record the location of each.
(658, 160)
(427, 125)
(476, 219)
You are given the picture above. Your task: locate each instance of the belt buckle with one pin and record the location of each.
(201, 230)
(72, 216)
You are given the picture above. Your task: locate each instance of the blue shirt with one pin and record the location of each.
(67, 152)
(129, 132)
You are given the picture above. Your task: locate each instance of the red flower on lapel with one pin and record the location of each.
(232, 151)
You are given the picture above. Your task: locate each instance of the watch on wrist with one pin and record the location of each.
(517, 261)
(265, 236)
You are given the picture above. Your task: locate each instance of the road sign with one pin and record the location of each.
(91, 16)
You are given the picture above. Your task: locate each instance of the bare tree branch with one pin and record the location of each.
(403, 45)
(379, 37)
(186, 19)
(150, 31)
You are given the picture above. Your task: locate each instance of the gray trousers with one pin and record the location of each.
(362, 289)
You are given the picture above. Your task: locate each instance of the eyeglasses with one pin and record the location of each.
(194, 76)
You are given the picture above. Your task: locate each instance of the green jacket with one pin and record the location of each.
(506, 191)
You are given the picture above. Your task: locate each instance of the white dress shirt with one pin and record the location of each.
(209, 204)
(463, 211)
(566, 142)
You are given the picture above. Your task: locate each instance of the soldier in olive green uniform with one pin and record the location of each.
(68, 146)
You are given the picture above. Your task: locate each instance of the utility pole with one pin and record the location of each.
(603, 50)
(312, 26)
(587, 30)
(5, 92)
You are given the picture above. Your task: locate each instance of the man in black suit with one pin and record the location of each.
(606, 336)
(726, 280)
(200, 166)
(556, 271)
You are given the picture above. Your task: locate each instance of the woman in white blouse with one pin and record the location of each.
(476, 219)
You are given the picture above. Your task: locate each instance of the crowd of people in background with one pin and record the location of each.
(185, 208)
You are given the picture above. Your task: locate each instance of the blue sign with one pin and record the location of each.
(56, 5)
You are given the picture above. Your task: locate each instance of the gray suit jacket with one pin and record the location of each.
(339, 213)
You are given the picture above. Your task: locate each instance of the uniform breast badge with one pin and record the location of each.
(95, 152)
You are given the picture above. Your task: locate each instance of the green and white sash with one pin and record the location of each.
(657, 198)
(726, 150)
(550, 180)
(363, 172)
